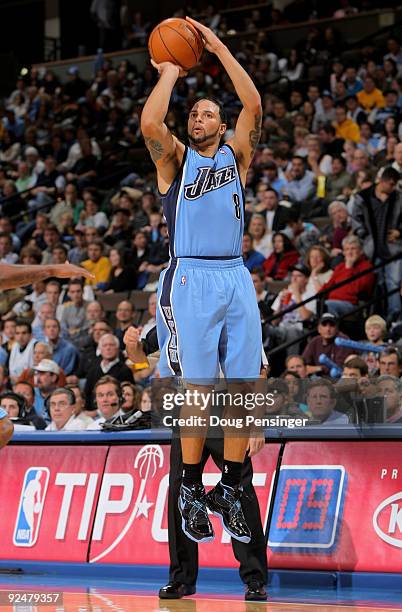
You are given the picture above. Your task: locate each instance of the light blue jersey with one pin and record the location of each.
(207, 309)
(204, 207)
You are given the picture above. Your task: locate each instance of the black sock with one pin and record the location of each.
(231, 473)
(192, 473)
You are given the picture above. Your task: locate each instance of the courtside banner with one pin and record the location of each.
(338, 506)
(48, 496)
(131, 518)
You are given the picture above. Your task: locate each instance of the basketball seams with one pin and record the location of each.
(176, 61)
(184, 38)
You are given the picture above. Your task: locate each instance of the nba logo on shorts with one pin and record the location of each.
(183, 280)
(30, 507)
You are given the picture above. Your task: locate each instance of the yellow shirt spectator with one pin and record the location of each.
(370, 96)
(98, 265)
(348, 130)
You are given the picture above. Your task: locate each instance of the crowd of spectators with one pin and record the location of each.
(322, 200)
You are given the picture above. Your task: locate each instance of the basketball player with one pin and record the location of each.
(14, 275)
(207, 310)
(183, 553)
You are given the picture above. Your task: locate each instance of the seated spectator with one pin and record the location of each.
(120, 229)
(355, 367)
(46, 378)
(90, 349)
(108, 398)
(355, 111)
(14, 405)
(318, 262)
(370, 96)
(270, 177)
(390, 389)
(345, 128)
(344, 299)
(284, 256)
(252, 259)
(391, 362)
(109, 363)
(321, 401)
(262, 239)
(131, 397)
(83, 171)
(303, 234)
(61, 406)
(64, 353)
(79, 408)
(296, 393)
(51, 237)
(78, 252)
(97, 264)
(301, 186)
(73, 317)
(296, 363)
(332, 235)
(27, 391)
(290, 325)
(264, 299)
(123, 277)
(325, 343)
(71, 204)
(6, 249)
(338, 180)
(125, 315)
(276, 216)
(21, 355)
(46, 311)
(91, 216)
(41, 351)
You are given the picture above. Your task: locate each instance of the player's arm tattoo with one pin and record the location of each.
(155, 148)
(255, 134)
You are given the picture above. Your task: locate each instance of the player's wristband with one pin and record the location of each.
(3, 413)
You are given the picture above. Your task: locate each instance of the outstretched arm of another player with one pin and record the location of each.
(248, 127)
(14, 275)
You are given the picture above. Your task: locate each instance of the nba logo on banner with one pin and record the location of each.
(308, 508)
(30, 507)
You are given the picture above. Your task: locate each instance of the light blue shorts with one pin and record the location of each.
(208, 316)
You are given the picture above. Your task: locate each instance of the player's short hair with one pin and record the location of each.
(222, 112)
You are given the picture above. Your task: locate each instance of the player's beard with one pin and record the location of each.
(202, 138)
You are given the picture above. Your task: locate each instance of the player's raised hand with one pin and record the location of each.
(212, 42)
(165, 66)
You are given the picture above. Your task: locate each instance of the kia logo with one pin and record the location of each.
(395, 520)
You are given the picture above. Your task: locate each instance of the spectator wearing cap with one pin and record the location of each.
(338, 181)
(75, 87)
(62, 410)
(252, 259)
(370, 96)
(301, 187)
(327, 115)
(321, 401)
(325, 343)
(97, 264)
(290, 326)
(377, 220)
(354, 110)
(345, 128)
(64, 353)
(344, 299)
(46, 380)
(283, 257)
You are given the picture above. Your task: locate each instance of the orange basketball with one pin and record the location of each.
(176, 40)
